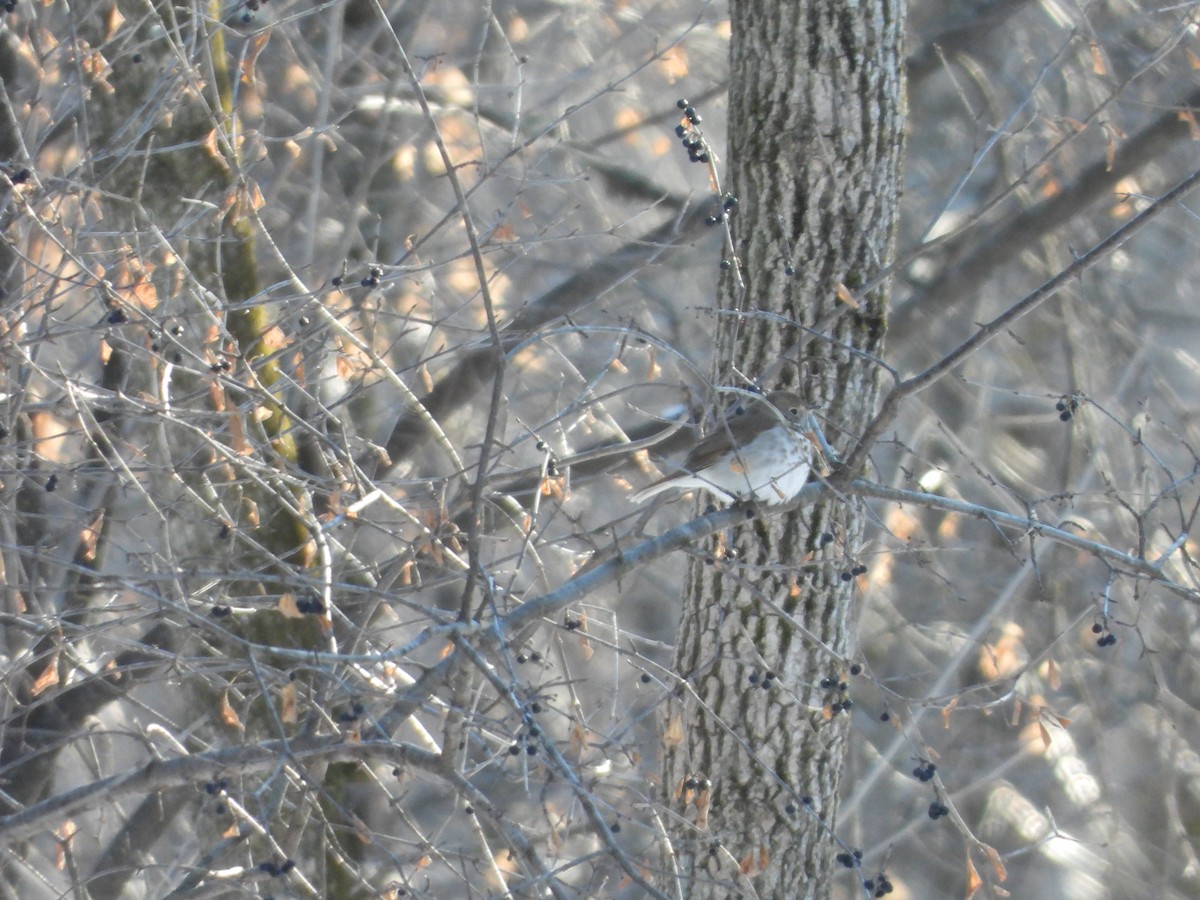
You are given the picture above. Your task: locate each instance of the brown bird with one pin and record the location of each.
(759, 453)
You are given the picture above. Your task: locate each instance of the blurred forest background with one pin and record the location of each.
(281, 280)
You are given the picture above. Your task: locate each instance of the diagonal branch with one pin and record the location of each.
(890, 407)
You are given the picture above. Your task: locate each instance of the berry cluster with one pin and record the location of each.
(843, 703)
(688, 131)
(276, 869)
(849, 859)
(924, 771)
(1107, 638)
(1067, 407)
(853, 573)
(879, 885)
(766, 681)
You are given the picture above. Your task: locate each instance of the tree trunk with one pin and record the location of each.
(752, 763)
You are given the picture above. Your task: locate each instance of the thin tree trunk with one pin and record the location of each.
(751, 762)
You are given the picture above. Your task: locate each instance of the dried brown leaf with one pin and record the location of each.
(997, 863)
(288, 708)
(673, 731)
(254, 47)
(48, 678)
(229, 715)
(974, 882)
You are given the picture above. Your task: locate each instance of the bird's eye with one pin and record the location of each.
(794, 410)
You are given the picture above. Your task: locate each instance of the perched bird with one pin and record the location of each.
(760, 452)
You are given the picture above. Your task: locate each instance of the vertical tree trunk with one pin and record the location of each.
(815, 124)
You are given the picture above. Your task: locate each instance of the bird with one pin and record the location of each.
(760, 453)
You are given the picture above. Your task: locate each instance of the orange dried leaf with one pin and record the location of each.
(844, 294)
(228, 205)
(144, 293)
(113, 20)
(90, 536)
(49, 435)
(254, 47)
(673, 731)
(238, 436)
(578, 737)
(213, 149)
(361, 831)
(1099, 65)
(229, 715)
(947, 711)
(674, 64)
(974, 882)
(1052, 675)
(653, 369)
(274, 338)
(48, 678)
(63, 833)
(287, 705)
(997, 864)
(216, 394)
(96, 67)
(1186, 116)
(253, 195)
(901, 523)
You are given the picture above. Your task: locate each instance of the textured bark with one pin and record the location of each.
(815, 122)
